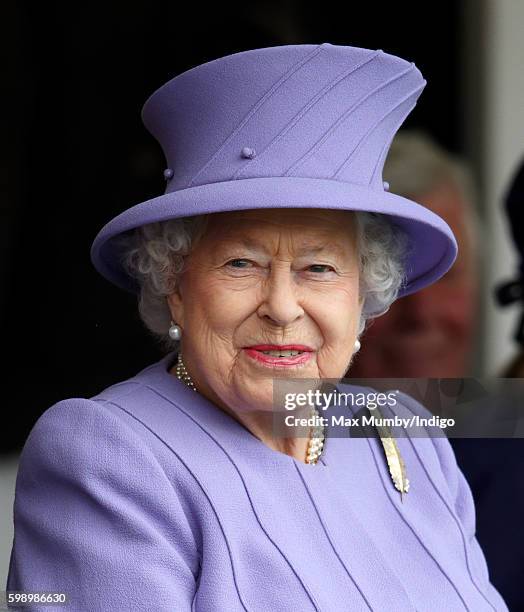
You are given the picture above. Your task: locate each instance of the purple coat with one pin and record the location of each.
(149, 497)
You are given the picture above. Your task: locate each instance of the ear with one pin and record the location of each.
(176, 306)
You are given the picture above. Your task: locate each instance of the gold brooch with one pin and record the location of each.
(397, 467)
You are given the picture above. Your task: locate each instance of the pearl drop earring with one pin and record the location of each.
(357, 345)
(175, 331)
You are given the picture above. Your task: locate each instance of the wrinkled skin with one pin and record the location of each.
(281, 276)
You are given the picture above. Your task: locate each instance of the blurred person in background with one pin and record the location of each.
(494, 467)
(433, 334)
(512, 292)
(430, 333)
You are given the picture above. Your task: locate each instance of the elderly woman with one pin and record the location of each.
(275, 241)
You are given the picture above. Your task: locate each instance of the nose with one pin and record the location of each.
(280, 302)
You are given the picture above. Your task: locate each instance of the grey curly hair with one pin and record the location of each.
(154, 255)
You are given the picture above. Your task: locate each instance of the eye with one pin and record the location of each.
(320, 268)
(239, 263)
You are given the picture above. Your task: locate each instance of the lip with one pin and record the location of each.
(255, 352)
(280, 347)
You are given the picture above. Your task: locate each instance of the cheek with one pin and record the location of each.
(457, 309)
(337, 314)
(459, 324)
(219, 309)
(222, 308)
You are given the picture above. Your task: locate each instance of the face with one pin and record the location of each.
(429, 333)
(261, 282)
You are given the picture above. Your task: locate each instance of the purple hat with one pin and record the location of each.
(305, 126)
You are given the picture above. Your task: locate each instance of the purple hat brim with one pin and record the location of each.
(433, 245)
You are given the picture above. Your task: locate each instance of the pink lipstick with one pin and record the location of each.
(285, 355)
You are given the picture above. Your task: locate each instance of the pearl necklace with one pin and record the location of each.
(182, 374)
(317, 436)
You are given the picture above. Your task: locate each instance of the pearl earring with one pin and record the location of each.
(357, 345)
(175, 331)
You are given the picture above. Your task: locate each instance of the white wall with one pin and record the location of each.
(494, 128)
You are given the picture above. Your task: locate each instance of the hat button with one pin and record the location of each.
(386, 186)
(168, 174)
(249, 152)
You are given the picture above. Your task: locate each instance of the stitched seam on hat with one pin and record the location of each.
(342, 118)
(373, 128)
(316, 98)
(255, 108)
(383, 154)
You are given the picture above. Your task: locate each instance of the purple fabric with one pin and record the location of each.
(148, 497)
(284, 127)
